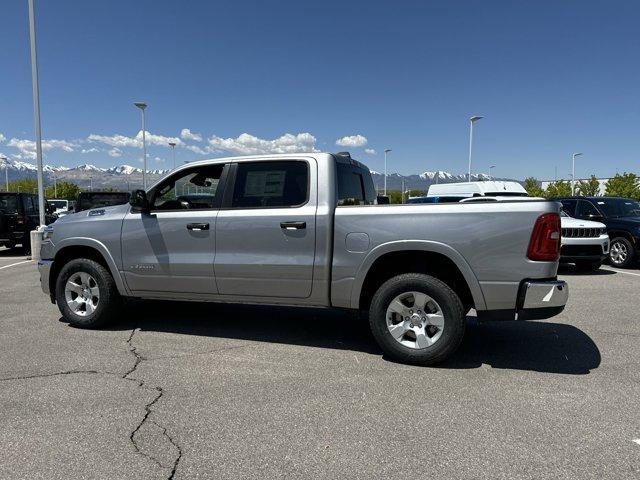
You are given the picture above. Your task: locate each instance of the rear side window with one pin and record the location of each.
(569, 206)
(355, 186)
(8, 203)
(271, 184)
(31, 207)
(586, 208)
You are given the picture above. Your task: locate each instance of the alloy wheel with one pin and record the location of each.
(415, 320)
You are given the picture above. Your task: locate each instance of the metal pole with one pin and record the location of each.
(490, 174)
(573, 171)
(5, 162)
(36, 108)
(144, 153)
(173, 153)
(385, 172)
(55, 185)
(470, 149)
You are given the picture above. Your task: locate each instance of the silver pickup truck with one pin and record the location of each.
(307, 230)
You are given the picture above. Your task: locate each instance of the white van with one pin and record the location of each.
(478, 189)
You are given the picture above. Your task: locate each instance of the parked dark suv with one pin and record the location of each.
(18, 216)
(620, 215)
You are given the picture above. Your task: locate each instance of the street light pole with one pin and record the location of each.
(385, 170)
(573, 171)
(173, 153)
(472, 120)
(36, 108)
(490, 174)
(142, 106)
(55, 185)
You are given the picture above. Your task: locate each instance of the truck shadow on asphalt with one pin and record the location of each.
(534, 346)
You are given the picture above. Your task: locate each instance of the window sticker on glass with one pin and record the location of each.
(265, 184)
(600, 203)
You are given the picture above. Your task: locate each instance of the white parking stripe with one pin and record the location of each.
(621, 271)
(636, 440)
(14, 264)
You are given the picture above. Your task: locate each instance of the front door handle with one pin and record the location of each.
(293, 225)
(198, 227)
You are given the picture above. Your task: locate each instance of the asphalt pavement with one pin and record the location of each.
(186, 390)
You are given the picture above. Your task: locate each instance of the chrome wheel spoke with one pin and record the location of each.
(75, 304)
(82, 294)
(397, 331)
(397, 307)
(89, 307)
(420, 300)
(74, 287)
(422, 340)
(436, 319)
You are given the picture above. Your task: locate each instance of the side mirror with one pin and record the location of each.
(383, 200)
(595, 217)
(139, 201)
(50, 209)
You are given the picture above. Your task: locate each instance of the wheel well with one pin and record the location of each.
(621, 233)
(415, 261)
(67, 254)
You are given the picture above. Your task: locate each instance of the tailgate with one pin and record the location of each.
(7, 224)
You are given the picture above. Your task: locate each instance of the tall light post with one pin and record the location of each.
(472, 120)
(173, 153)
(573, 171)
(5, 162)
(36, 108)
(490, 174)
(55, 184)
(385, 170)
(142, 106)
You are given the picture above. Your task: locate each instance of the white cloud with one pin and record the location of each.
(159, 160)
(89, 150)
(198, 150)
(2, 138)
(27, 148)
(352, 141)
(247, 144)
(187, 134)
(369, 151)
(115, 152)
(122, 141)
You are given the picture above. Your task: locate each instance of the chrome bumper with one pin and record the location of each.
(542, 298)
(44, 267)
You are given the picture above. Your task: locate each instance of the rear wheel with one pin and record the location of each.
(86, 294)
(621, 253)
(417, 319)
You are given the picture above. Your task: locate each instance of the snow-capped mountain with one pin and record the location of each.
(129, 177)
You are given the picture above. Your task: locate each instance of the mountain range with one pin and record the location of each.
(126, 177)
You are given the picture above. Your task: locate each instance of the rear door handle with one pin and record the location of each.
(293, 225)
(197, 226)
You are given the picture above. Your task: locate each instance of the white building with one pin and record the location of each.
(601, 181)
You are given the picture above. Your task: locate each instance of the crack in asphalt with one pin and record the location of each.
(160, 392)
(45, 375)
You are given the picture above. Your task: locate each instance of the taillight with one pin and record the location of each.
(20, 220)
(545, 239)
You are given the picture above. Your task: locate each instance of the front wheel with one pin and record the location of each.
(417, 319)
(621, 253)
(86, 294)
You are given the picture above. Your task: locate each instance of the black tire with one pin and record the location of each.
(588, 266)
(450, 304)
(109, 301)
(630, 253)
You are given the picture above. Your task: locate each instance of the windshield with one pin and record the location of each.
(8, 203)
(619, 207)
(58, 203)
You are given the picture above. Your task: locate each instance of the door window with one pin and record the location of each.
(271, 184)
(585, 209)
(569, 206)
(30, 207)
(192, 189)
(354, 188)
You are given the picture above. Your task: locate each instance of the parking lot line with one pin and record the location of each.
(622, 271)
(14, 264)
(636, 440)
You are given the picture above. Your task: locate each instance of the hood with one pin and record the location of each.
(570, 222)
(95, 214)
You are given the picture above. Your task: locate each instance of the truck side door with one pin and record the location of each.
(266, 230)
(171, 248)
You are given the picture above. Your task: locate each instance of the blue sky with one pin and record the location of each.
(551, 78)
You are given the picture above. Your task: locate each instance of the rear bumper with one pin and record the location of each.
(537, 300)
(44, 267)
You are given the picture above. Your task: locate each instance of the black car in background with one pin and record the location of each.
(18, 216)
(620, 215)
(89, 200)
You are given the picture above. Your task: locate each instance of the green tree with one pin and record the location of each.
(29, 185)
(588, 188)
(395, 196)
(559, 188)
(533, 188)
(625, 185)
(415, 193)
(65, 190)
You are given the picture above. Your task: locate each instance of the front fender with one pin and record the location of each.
(423, 245)
(103, 250)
